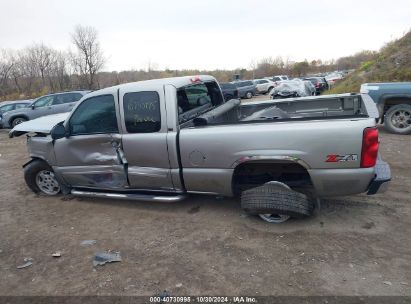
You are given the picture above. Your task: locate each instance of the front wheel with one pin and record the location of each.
(40, 178)
(398, 119)
(18, 120)
(249, 95)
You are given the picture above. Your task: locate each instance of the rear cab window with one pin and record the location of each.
(196, 99)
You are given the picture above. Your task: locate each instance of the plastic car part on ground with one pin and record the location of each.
(28, 263)
(293, 88)
(88, 242)
(104, 257)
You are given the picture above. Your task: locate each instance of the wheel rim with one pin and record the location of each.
(47, 182)
(401, 119)
(249, 95)
(18, 121)
(274, 218)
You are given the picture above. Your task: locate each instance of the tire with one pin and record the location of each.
(276, 199)
(18, 120)
(249, 95)
(397, 119)
(39, 176)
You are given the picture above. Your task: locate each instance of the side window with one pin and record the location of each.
(7, 108)
(72, 97)
(142, 112)
(44, 102)
(20, 105)
(95, 115)
(66, 98)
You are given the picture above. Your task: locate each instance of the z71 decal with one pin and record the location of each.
(335, 158)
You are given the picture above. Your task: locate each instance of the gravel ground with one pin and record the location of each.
(357, 245)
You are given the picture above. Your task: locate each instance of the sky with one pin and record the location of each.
(207, 34)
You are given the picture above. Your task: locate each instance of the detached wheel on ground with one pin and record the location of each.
(275, 202)
(18, 120)
(40, 178)
(398, 119)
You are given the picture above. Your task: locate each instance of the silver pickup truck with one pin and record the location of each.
(160, 140)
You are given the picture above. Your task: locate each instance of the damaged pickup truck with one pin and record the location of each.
(160, 140)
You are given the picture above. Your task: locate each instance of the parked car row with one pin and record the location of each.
(22, 111)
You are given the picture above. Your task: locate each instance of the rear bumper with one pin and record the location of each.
(382, 178)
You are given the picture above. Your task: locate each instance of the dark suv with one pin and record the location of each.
(246, 88)
(229, 90)
(42, 106)
(319, 83)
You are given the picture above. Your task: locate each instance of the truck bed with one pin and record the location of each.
(305, 108)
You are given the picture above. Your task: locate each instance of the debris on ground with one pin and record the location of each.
(387, 283)
(28, 263)
(194, 210)
(104, 257)
(368, 225)
(56, 254)
(88, 242)
(179, 285)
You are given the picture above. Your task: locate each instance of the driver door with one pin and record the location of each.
(91, 156)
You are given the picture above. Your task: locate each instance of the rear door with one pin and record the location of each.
(144, 140)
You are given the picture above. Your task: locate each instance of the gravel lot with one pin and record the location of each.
(204, 245)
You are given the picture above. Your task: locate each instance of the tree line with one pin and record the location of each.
(39, 69)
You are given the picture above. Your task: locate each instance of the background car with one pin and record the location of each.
(293, 88)
(246, 88)
(280, 78)
(264, 86)
(229, 90)
(7, 106)
(42, 106)
(319, 83)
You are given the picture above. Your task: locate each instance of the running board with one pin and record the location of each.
(130, 196)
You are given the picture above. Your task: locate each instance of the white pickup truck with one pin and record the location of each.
(162, 139)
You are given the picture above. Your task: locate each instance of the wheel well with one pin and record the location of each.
(17, 116)
(253, 174)
(34, 159)
(393, 101)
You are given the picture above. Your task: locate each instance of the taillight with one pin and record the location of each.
(369, 151)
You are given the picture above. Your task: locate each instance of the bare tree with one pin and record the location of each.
(6, 66)
(41, 57)
(89, 58)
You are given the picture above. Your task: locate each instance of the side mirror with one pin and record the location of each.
(58, 131)
(32, 106)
